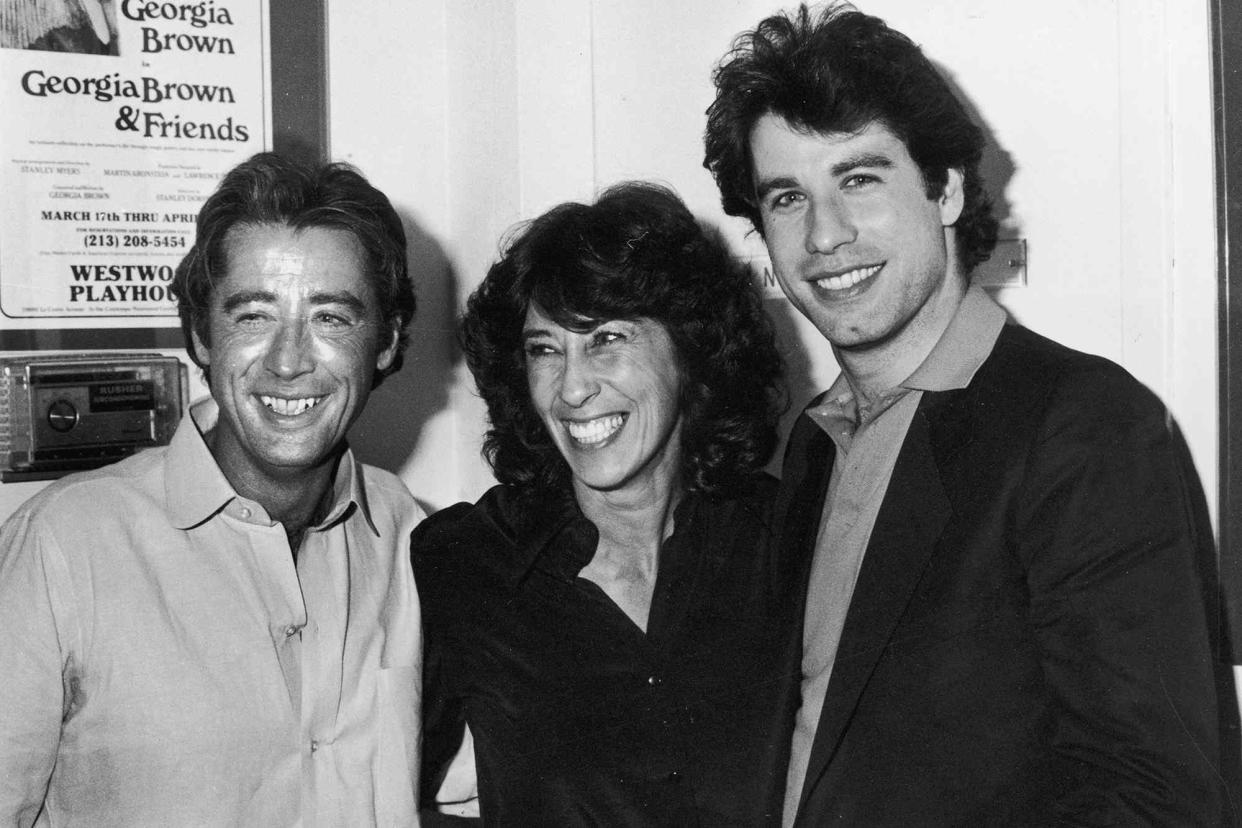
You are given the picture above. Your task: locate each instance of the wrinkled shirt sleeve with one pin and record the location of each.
(36, 661)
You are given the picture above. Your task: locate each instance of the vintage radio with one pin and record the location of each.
(70, 412)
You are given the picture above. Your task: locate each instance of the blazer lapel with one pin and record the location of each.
(911, 519)
(808, 466)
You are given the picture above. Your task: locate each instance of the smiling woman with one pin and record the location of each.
(611, 621)
(636, 254)
(610, 399)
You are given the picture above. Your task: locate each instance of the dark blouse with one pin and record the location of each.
(579, 718)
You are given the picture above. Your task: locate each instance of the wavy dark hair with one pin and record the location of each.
(840, 71)
(637, 252)
(270, 189)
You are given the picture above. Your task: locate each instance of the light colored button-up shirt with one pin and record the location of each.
(163, 661)
(867, 450)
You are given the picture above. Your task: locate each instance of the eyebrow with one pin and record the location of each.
(877, 160)
(341, 297)
(246, 297)
(866, 159)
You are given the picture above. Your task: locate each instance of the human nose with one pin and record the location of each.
(828, 227)
(289, 353)
(578, 380)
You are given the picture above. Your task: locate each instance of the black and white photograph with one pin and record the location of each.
(647, 413)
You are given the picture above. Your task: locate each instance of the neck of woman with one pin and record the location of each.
(638, 517)
(632, 528)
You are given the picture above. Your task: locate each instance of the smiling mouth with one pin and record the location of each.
(849, 279)
(289, 407)
(594, 432)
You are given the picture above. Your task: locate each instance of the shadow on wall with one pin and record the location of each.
(997, 167)
(388, 432)
(996, 170)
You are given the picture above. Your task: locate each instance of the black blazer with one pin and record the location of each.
(1028, 638)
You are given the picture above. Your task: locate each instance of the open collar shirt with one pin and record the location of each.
(580, 717)
(866, 456)
(166, 662)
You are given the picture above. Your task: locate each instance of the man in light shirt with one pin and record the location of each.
(225, 630)
(1006, 619)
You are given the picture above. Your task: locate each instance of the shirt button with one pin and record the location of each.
(291, 631)
(654, 681)
(245, 512)
(674, 777)
(314, 745)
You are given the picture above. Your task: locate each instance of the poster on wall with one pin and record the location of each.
(119, 118)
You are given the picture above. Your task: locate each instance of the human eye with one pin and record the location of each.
(603, 337)
(535, 349)
(333, 319)
(784, 200)
(250, 318)
(856, 181)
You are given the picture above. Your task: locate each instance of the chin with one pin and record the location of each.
(596, 483)
(601, 482)
(295, 458)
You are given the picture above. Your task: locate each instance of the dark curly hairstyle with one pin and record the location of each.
(269, 189)
(840, 71)
(636, 252)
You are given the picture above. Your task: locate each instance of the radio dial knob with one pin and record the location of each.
(62, 415)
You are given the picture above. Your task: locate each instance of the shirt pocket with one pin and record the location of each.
(399, 697)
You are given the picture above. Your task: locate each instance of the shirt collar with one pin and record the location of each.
(836, 412)
(348, 490)
(562, 541)
(952, 364)
(197, 489)
(963, 347)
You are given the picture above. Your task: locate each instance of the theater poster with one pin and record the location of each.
(117, 119)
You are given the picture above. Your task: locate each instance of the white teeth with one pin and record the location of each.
(595, 431)
(290, 408)
(848, 280)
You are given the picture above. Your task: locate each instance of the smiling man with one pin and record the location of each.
(1006, 621)
(225, 631)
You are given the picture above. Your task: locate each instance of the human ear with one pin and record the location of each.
(202, 353)
(384, 359)
(952, 197)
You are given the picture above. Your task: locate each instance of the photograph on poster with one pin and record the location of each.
(84, 26)
(108, 149)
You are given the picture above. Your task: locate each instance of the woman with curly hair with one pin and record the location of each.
(612, 620)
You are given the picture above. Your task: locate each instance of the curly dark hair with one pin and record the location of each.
(637, 252)
(840, 71)
(270, 189)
